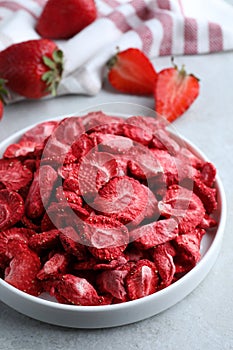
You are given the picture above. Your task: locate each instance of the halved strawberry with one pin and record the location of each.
(175, 91)
(130, 71)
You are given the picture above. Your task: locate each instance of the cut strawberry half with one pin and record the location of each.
(131, 72)
(175, 91)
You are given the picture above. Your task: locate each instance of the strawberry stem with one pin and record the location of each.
(52, 77)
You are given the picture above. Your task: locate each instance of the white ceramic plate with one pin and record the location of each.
(43, 309)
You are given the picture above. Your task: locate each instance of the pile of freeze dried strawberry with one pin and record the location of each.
(99, 210)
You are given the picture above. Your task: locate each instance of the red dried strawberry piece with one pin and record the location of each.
(76, 290)
(40, 191)
(208, 174)
(162, 140)
(165, 265)
(114, 144)
(59, 143)
(71, 243)
(124, 199)
(82, 146)
(113, 264)
(29, 224)
(153, 124)
(206, 194)
(99, 121)
(158, 232)
(174, 169)
(142, 164)
(187, 157)
(95, 170)
(113, 282)
(11, 208)
(44, 240)
(11, 242)
(184, 206)
(208, 222)
(60, 215)
(106, 237)
(56, 265)
(40, 132)
(23, 270)
(68, 196)
(69, 170)
(152, 210)
(13, 174)
(88, 264)
(21, 149)
(142, 280)
(137, 134)
(69, 129)
(188, 250)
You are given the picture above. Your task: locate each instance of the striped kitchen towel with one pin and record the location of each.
(157, 27)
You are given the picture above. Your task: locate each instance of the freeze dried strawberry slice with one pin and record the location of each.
(82, 146)
(71, 243)
(68, 196)
(11, 208)
(40, 132)
(142, 164)
(11, 242)
(208, 174)
(153, 124)
(142, 280)
(40, 191)
(99, 121)
(21, 149)
(114, 144)
(124, 199)
(137, 134)
(69, 129)
(183, 205)
(106, 237)
(113, 282)
(120, 261)
(186, 156)
(162, 140)
(76, 290)
(188, 250)
(158, 232)
(165, 265)
(174, 169)
(207, 222)
(13, 174)
(60, 142)
(55, 266)
(44, 240)
(206, 194)
(95, 170)
(152, 210)
(23, 270)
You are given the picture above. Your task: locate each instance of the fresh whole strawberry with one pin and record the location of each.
(131, 72)
(32, 68)
(175, 91)
(61, 19)
(3, 92)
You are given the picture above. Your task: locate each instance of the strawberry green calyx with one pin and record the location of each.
(182, 72)
(3, 91)
(53, 76)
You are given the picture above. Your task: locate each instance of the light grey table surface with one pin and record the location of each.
(204, 319)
